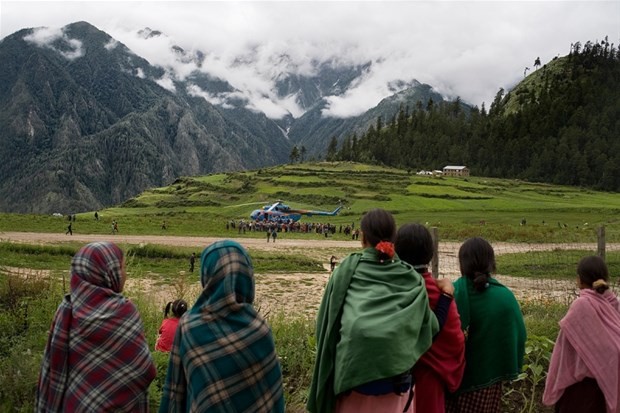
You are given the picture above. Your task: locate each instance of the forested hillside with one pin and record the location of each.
(84, 124)
(560, 125)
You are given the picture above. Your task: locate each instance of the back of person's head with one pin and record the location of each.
(378, 225)
(100, 264)
(477, 261)
(178, 307)
(593, 273)
(414, 245)
(227, 273)
(379, 231)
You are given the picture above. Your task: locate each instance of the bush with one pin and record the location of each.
(24, 325)
(296, 348)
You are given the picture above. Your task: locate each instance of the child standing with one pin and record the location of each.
(169, 325)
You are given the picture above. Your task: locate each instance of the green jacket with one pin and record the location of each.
(374, 322)
(495, 334)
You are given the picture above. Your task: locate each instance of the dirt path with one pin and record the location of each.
(301, 293)
(254, 243)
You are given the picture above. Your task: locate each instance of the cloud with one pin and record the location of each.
(111, 45)
(52, 38)
(166, 82)
(461, 48)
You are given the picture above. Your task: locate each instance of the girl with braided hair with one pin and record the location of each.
(169, 326)
(492, 322)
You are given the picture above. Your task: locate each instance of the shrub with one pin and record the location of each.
(296, 347)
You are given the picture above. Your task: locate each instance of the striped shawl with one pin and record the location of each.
(223, 358)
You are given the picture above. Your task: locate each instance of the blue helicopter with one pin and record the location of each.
(280, 212)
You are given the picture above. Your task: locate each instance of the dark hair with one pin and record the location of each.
(179, 307)
(414, 245)
(592, 272)
(477, 261)
(378, 225)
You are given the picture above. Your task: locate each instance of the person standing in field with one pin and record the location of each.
(584, 372)
(492, 322)
(332, 263)
(223, 358)
(192, 261)
(441, 368)
(96, 358)
(373, 325)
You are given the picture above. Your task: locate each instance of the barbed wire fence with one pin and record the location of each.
(534, 270)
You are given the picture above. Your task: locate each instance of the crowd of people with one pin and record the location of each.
(389, 336)
(283, 226)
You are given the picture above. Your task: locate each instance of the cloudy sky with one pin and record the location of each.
(461, 48)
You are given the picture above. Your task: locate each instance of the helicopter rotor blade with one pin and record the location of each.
(246, 204)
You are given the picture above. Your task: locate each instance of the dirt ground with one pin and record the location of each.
(300, 293)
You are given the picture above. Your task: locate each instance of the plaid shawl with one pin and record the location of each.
(96, 358)
(223, 358)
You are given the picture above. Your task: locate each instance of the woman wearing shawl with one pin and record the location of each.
(494, 331)
(373, 325)
(96, 358)
(441, 367)
(223, 357)
(584, 372)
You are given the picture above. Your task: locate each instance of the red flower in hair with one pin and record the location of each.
(385, 248)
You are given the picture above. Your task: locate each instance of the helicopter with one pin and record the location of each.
(279, 212)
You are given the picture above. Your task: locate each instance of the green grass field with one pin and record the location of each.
(459, 207)
(201, 206)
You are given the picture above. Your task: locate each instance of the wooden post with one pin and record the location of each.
(435, 260)
(600, 235)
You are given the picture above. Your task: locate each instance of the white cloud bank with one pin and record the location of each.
(49, 37)
(461, 48)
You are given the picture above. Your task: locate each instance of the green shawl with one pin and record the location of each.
(374, 322)
(495, 334)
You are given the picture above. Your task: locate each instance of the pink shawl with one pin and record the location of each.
(588, 346)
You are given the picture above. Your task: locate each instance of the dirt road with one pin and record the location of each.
(253, 243)
(301, 292)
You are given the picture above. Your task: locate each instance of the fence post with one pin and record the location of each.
(600, 235)
(435, 260)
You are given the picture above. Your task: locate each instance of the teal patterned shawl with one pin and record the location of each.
(223, 358)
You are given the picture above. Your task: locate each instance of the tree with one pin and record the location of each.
(302, 152)
(332, 149)
(294, 156)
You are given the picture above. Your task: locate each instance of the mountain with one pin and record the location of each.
(314, 131)
(85, 124)
(559, 125)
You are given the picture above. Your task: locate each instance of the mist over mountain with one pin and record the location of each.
(87, 123)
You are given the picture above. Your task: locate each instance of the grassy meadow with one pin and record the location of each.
(459, 207)
(33, 277)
